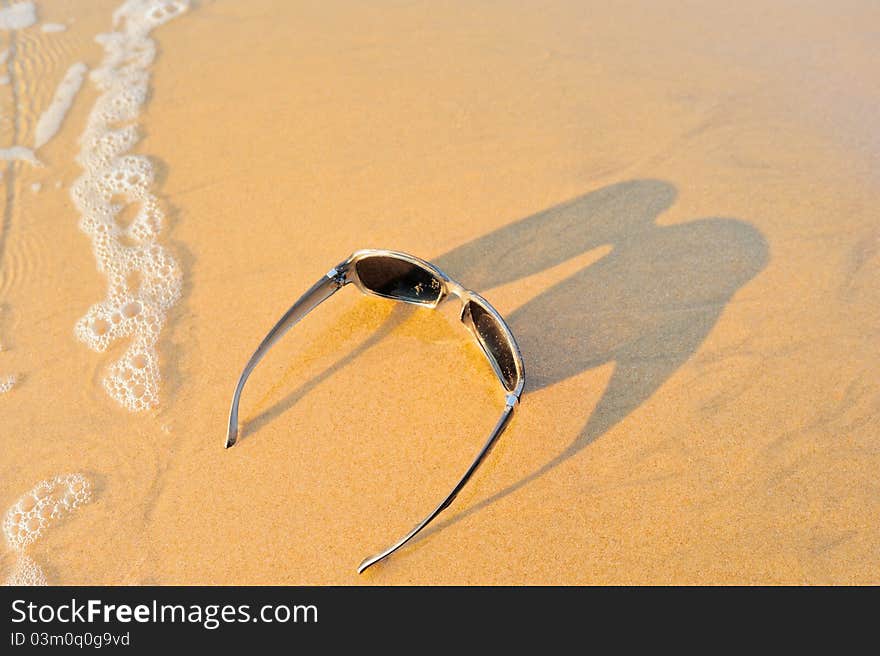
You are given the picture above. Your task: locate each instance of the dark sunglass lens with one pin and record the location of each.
(494, 339)
(399, 279)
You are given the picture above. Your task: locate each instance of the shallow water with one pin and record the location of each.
(674, 207)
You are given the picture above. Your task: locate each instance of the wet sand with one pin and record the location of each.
(675, 207)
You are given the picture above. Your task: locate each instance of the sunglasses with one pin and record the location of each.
(401, 277)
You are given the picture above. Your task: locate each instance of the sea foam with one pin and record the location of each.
(144, 280)
(19, 154)
(7, 383)
(29, 517)
(18, 16)
(26, 572)
(52, 117)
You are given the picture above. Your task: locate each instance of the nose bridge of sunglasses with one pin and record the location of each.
(454, 289)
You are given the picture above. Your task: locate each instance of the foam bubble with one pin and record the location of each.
(29, 517)
(50, 120)
(18, 16)
(144, 280)
(53, 27)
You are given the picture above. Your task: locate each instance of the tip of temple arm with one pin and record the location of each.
(232, 431)
(367, 563)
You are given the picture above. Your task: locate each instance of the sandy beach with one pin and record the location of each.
(673, 204)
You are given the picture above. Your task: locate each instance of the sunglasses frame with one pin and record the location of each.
(346, 273)
(449, 287)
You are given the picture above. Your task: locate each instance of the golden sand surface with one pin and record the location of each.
(674, 204)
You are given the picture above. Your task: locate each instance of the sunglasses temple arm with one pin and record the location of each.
(496, 433)
(319, 292)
